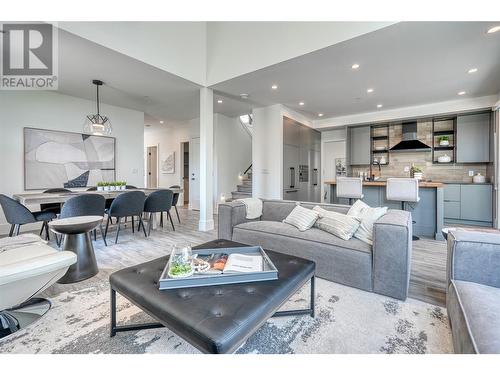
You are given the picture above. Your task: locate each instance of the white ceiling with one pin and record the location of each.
(128, 82)
(408, 63)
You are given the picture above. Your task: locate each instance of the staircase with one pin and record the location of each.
(244, 189)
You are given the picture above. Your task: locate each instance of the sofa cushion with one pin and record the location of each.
(474, 310)
(367, 216)
(345, 262)
(340, 225)
(302, 218)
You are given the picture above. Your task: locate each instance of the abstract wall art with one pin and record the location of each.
(55, 159)
(168, 163)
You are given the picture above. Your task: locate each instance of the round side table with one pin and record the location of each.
(76, 231)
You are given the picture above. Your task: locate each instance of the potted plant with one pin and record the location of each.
(106, 186)
(100, 186)
(416, 172)
(120, 185)
(444, 140)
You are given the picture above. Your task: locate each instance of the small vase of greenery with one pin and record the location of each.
(444, 140)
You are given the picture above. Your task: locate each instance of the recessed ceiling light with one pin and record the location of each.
(355, 66)
(379, 105)
(161, 121)
(219, 101)
(461, 93)
(301, 103)
(320, 115)
(274, 87)
(472, 70)
(369, 91)
(494, 29)
(244, 96)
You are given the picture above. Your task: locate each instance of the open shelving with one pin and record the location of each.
(379, 139)
(444, 127)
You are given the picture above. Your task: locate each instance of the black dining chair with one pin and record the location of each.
(85, 205)
(53, 207)
(93, 188)
(126, 204)
(158, 201)
(17, 214)
(175, 200)
(128, 187)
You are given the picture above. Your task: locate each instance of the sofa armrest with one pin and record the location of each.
(474, 256)
(230, 215)
(392, 241)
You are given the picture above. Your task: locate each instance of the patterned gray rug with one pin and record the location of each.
(347, 321)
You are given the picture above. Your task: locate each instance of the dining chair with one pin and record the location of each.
(92, 188)
(53, 207)
(128, 187)
(85, 205)
(17, 214)
(175, 200)
(158, 201)
(126, 204)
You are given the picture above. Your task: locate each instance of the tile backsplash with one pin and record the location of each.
(435, 172)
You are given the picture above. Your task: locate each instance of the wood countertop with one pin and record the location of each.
(422, 184)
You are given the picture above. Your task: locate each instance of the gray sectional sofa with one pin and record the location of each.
(383, 268)
(473, 294)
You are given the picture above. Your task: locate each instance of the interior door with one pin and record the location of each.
(152, 167)
(194, 174)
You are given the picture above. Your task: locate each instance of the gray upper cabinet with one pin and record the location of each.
(473, 138)
(359, 145)
(291, 132)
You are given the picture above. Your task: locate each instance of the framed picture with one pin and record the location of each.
(168, 163)
(56, 159)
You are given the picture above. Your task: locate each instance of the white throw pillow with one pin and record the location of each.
(367, 217)
(340, 225)
(357, 207)
(302, 218)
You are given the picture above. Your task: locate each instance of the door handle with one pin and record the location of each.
(292, 177)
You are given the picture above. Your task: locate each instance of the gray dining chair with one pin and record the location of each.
(53, 207)
(126, 204)
(128, 187)
(85, 205)
(175, 200)
(17, 214)
(158, 201)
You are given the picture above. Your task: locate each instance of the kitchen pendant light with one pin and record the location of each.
(97, 124)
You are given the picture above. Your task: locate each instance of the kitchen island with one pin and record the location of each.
(428, 213)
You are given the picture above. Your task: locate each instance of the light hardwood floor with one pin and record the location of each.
(428, 267)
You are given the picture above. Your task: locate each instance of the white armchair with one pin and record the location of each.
(26, 271)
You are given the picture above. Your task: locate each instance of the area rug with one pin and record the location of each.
(347, 320)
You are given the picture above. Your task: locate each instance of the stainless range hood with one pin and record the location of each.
(410, 143)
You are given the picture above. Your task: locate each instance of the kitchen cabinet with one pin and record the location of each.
(473, 138)
(291, 132)
(468, 203)
(360, 138)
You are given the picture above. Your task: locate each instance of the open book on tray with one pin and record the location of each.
(222, 263)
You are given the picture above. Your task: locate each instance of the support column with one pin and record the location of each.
(206, 159)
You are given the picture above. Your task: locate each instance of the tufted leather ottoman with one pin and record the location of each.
(214, 319)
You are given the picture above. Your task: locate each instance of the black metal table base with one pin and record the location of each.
(135, 327)
(86, 266)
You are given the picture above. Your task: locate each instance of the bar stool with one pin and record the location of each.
(349, 187)
(404, 190)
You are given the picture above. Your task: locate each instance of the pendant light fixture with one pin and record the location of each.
(97, 124)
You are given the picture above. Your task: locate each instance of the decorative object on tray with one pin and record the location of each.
(180, 264)
(444, 158)
(444, 140)
(416, 172)
(216, 267)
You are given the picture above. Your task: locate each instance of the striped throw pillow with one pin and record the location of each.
(301, 218)
(340, 225)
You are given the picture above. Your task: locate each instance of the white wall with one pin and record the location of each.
(232, 153)
(267, 149)
(48, 110)
(168, 139)
(452, 106)
(236, 48)
(176, 47)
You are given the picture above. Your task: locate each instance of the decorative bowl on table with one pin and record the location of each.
(444, 158)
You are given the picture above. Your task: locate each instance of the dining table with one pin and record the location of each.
(30, 199)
